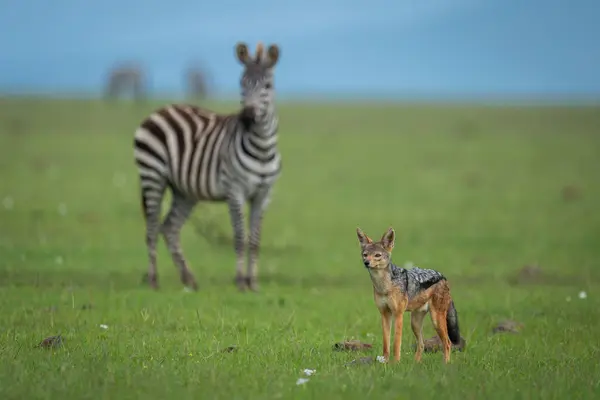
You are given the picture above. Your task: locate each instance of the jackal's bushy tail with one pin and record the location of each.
(452, 323)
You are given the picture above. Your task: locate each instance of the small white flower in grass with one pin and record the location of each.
(582, 295)
(103, 326)
(370, 335)
(309, 372)
(568, 299)
(381, 359)
(62, 209)
(301, 381)
(59, 260)
(8, 203)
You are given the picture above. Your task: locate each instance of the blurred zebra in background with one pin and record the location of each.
(202, 155)
(126, 78)
(196, 83)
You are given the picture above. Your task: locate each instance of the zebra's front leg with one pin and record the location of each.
(235, 202)
(258, 205)
(180, 211)
(152, 227)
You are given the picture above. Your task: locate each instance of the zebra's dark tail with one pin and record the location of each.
(452, 324)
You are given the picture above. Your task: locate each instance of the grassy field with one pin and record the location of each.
(475, 192)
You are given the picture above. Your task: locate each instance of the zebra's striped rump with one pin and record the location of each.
(180, 145)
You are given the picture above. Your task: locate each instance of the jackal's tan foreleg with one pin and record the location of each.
(399, 319)
(386, 317)
(416, 323)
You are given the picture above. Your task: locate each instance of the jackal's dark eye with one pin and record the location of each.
(365, 254)
(268, 85)
(377, 255)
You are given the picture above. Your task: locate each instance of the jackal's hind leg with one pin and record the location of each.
(416, 323)
(438, 318)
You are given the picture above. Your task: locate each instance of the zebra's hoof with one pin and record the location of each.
(151, 281)
(189, 282)
(252, 284)
(241, 283)
(190, 287)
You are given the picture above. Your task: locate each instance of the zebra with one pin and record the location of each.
(201, 155)
(126, 77)
(195, 83)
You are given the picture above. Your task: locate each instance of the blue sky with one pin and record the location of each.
(403, 48)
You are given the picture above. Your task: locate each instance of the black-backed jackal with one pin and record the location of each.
(416, 290)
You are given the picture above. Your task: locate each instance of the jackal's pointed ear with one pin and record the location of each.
(241, 52)
(363, 239)
(388, 240)
(272, 56)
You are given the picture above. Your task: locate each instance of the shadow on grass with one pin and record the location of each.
(214, 233)
(169, 279)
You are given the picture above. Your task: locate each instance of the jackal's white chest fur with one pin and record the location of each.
(382, 282)
(383, 289)
(382, 301)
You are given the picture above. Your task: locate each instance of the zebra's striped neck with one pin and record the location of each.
(266, 126)
(261, 139)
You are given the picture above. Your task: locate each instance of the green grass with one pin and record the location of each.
(474, 192)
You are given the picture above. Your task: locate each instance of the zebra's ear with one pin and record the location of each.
(241, 51)
(258, 56)
(272, 56)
